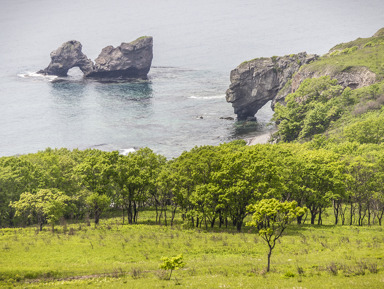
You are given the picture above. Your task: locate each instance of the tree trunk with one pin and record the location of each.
(213, 222)
(299, 219)
(313, 216)
(381, 216)
(239, 224)
(173, 216)
(342, 214)
(135, 212)
(320, 220)
(129, 213)
(360, 214)
(269, 259)
(336, 208)
(160, 216)
(97, 217)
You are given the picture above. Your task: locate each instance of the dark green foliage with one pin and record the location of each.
(309, 110)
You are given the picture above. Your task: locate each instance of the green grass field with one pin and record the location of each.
(128, 256)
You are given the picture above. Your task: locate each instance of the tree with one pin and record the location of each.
(246, 176)
(45, 205)
(190, 183)
(97, 204)
(95, 173)
(173, 263)
(16, 176)
(271, 217)
(321, 180)
(362, 183)
(134, 177)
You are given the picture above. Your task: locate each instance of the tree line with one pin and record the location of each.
(208, 185)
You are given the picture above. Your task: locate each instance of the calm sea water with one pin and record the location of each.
(196, 44)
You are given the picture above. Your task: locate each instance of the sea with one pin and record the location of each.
(182, 104)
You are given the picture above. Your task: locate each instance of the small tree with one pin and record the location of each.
(45, 205)
(172, 263)
(271, 217)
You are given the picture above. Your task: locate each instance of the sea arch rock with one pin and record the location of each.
(67, 56)
(129, 60)
(256, 82)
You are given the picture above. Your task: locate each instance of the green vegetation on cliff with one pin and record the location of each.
(327, 105)
(321, 106)
(362, 52)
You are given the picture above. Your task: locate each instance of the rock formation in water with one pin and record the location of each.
(129, 60)
(255, 82)
(67, 56)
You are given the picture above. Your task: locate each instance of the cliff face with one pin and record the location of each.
(258, 81)
(354, 64)
(129, 60)
(354, 77)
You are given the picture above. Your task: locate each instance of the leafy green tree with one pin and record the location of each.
(246, 176)
(203, 163)
(56, 167)
(172, 263)
(194, 188)
(362, 184)
(97, 204)
(45, 205)
(135, 178)
(95, 175)
(271, 217)
(319, 180)
(166, 193)
(17, 175)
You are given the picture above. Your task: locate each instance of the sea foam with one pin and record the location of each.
(207, 97)
(36, 75)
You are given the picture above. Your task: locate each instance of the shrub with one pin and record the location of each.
(173, 263)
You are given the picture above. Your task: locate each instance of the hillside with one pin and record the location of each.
(338, 96)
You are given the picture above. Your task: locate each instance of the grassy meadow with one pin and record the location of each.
(128, 256)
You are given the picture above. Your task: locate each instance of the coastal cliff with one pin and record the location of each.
(255, 82)
(129, 60)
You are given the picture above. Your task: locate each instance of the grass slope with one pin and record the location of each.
(362, 52)
(116, 256)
